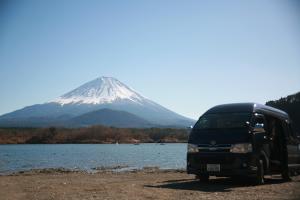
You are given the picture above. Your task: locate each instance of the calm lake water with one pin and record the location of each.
(14, 158)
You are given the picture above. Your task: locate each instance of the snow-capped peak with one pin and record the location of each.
(99, 91)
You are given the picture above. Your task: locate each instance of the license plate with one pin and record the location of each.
(213, 167)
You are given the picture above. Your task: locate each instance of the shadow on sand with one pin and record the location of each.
(214, 185)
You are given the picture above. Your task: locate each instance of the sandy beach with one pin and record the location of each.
(144, 184)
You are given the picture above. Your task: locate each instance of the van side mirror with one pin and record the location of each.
(190, 127)
(259, 119)
(247, 123)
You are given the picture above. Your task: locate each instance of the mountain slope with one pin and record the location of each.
(107, 117)
(101, 93)
(291, 105)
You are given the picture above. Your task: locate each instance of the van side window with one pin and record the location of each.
(270, 125)
(267, 124)
(287, 130)
(292, 131)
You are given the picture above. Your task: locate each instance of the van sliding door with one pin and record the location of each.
(292, 145)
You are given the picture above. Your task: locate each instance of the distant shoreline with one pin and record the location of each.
(159, 143)
(92, 135)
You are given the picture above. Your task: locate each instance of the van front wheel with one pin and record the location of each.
(203, 177)
(259, 179)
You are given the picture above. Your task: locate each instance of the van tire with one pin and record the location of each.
(203, 178)
(259, 178)
(286, 175)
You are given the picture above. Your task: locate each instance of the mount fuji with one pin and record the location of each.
(103, 101)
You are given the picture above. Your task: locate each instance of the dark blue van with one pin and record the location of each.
(243, 139)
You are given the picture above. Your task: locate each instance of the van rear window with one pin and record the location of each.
(223, 120)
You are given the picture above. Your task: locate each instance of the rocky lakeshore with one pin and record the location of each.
(148, 183)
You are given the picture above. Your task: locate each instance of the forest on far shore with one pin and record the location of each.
(92, 135)
(291, 105)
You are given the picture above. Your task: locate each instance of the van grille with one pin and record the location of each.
(207, 148)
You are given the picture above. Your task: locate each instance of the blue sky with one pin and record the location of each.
(186, 55)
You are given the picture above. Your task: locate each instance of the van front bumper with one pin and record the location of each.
(231, 164)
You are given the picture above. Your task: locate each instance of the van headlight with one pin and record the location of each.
(241, 148)
(192, 148)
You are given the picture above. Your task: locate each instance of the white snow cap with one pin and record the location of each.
(99, 91)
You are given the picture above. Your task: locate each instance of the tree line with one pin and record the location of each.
(94, 134)
(291, 105)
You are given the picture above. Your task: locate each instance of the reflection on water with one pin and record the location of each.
(15, 158)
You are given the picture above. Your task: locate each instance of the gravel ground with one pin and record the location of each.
(145, 184)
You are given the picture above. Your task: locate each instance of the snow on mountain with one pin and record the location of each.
(99, 91)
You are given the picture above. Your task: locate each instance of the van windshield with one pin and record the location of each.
(223, 120)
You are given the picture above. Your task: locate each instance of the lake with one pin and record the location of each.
(87, 157)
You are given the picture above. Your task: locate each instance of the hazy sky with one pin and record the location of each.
(186, 55)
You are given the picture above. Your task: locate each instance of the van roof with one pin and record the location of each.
(249, 107)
